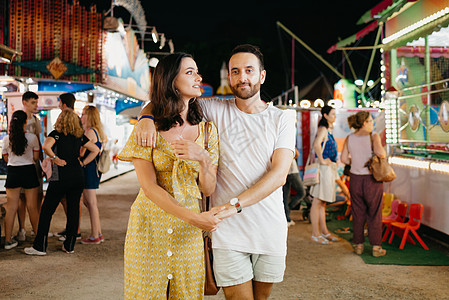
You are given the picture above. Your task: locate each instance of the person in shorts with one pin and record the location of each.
(257, 145)
(20, 151)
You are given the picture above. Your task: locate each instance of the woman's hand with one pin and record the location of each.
(326, 161)
(59, 162)
(184, 149)
(146, 133)
(207, 220)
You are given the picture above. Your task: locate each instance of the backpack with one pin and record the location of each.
(104, 161)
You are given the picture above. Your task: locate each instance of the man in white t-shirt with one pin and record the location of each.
(257, 143)
(29, 102)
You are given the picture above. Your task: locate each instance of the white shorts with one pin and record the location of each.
(234, 267)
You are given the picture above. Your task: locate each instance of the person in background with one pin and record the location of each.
(67, 101)
(250, 245)
(325, 148)
(67, 140)
(93, 129)
(164, 255)
(29, 102)
(293, 181)
(366, 192)
(20, 152)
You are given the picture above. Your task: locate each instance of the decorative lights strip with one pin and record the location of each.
(416, 25)
(391, 118)
(420, 164)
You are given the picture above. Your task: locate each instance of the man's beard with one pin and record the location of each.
(246, 94)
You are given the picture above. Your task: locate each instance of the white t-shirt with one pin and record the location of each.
(27, 157)
(247, 143)
(33, 125)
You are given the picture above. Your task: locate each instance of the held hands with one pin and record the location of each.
(226, 211)
(146, 133)
(207, 220)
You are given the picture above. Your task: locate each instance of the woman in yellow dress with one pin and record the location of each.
(164, 246)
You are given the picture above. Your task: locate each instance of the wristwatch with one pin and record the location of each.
(236, 203)
(52, 158)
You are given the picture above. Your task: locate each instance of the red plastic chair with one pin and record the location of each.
(414, 222)
(400, 217)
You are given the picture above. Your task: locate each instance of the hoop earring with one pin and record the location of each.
(192, 100)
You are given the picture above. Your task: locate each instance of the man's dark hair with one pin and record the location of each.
(247, 48)
(29, 95)
(68, 99)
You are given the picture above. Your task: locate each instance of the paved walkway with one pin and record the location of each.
(96, 271)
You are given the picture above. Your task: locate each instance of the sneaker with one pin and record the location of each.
(50, 234)
(66, 251)
(291, 223)
(62, 237)
(91, 240)
(101, 237)
(10, 245)
(21, 235)
(61, 233)
(32, 251)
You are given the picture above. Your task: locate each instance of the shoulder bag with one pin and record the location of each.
(210, 285)
(312, 170)
(379, 167)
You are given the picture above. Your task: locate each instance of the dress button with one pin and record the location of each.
(170, 231)
(169, 253)
(170, 276)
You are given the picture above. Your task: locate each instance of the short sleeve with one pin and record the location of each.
(5, 145)
(34, 144)
(287, 132)
(132, 150)
(213, 143)
(84, 140)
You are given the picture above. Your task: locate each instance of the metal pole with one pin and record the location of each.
(373, 52)
(310, 49)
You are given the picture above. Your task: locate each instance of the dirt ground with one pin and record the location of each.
(96, 271)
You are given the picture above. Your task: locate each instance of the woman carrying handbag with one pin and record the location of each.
(323, 192)
(366, 192)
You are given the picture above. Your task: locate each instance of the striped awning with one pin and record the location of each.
(353, 38)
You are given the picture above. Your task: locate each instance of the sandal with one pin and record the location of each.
(321, 240)
(378, 251)
(330, 237)
(358, 249)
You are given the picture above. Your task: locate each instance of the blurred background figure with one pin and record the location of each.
(93, 129)
(20, 152)
(293, 181)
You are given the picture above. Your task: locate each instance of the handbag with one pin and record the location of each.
(312, 170)
(379, 167)
(210, 285)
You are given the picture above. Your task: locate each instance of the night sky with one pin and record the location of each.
(210, 30)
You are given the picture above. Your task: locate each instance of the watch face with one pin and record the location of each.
(234, 201)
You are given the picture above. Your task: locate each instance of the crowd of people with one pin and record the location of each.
(72, 150)
(182, 148)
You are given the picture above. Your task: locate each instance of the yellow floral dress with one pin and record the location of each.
(160, 249)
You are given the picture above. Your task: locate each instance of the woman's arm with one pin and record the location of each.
(147, 179)
(320, 137)
(345, 153)
(36, 155)
(48, 143)
(377, 146)
(93, 152)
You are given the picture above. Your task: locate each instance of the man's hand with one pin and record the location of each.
(227, 211)
(146, 133)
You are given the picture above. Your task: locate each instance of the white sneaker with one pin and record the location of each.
(21, 235)
(66, 251)
(32, 251)
(10, 245)
(291, 223)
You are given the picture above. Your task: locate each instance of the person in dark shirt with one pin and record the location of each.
(67, 180)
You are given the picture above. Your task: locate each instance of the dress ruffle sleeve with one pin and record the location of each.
(133, 150)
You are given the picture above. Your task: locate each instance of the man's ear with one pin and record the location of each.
(263, 75)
